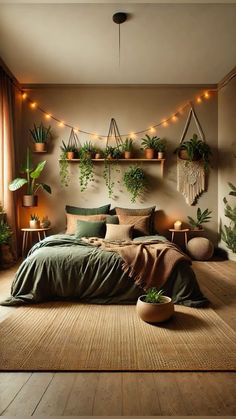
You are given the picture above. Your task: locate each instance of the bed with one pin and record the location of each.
(65, 267)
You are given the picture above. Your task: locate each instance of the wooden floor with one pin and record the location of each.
(127, 394)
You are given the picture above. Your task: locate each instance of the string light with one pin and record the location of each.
(152, 129)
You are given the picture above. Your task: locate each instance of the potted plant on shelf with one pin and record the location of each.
(161, 148)
(135, 182)
(127, 148)
(154, 307)
(98, 153)
(86, 165)
(69, 151)
(34, 221)
(228, 233)
(40, 136)
(6, 256)
(193, 150)
(202, 218)
(150, 145)
(30, 199)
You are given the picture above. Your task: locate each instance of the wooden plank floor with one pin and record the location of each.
(129, 394)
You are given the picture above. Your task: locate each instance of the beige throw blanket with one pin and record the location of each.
(148, 263)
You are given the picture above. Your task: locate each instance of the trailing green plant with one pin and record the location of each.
(5, 232)
(196, 150)
(154, 296)
(32, 174)
(150, 142)
(135, 181)
(202, 218)
(128, 144)
(111, 158)
(64, 170)
(40, 134)
(86, 165)
(228, 233)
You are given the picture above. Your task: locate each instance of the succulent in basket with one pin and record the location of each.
(40, 135)
(195, 149)
(86, 165)
(202, 218)
(135, 181)
(150, 145)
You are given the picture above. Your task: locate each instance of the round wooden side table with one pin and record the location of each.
(184, 231)
(28, 232)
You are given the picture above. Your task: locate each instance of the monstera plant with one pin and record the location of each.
(30, 199)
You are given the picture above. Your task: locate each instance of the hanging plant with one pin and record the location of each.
(195, 149)
(64, 170)
(86, 165)
(135, 181)
(111, 156)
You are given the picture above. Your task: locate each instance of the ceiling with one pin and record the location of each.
(77, 43)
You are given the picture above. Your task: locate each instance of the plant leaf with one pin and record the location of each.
(36, 173)
(17, 183)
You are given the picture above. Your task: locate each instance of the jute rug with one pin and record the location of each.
(72, 336)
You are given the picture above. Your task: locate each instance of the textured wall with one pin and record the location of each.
(134, 108)
(227, 146)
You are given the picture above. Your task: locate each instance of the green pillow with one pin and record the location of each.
(90, 229)
(88, 211)
(112, 219)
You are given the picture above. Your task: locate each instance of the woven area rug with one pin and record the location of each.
(71, 336)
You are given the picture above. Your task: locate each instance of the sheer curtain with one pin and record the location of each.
(7, 150)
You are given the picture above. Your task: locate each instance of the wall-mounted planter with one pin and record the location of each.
(40, 147)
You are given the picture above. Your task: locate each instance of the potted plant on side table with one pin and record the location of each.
(202, 218)
(154, 307)
(30, 199)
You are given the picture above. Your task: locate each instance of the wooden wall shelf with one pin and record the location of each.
(161, 161)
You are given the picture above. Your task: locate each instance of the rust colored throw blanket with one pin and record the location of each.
(149, 264)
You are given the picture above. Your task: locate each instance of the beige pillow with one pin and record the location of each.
(141, 223)
(119, 232)
(71, 220)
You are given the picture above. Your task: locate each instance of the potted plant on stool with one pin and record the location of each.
(30, 199)
(154, 307)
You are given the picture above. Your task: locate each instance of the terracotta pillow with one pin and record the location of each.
(71, 221)
(139, 211)
(119, 232)
(141, 223)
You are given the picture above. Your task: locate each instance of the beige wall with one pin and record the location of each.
(227, 146)
(134, 108)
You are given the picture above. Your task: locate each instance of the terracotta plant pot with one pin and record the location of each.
(155, 312)
(98, 156)
(149, 153)
(40, 147)
(34, 224)
(30, 201)
(160, 155)
(128, 154)
(70, 155)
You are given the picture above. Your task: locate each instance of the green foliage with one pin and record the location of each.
(228, 233)
(197, 150)
(135, 181)
(87, 148)
(113, 152)
(66, 148)
(107, 174)
(40, 134)
(64, 170)
(150, 142)
(5, 232)
(154, 296)
(202, 218)
(31, 175)
(34, 217)
(161, 145)
(86, 171)
(128, 144)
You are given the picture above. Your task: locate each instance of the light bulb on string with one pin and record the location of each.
(48, 116)
(174, 118)
(199, 100)
(132, 135)
(24, 95)
(61, 124)
(33, 105)
(165, 123)
(152, 130)
(206, 95)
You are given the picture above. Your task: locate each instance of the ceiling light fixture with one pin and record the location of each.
(118, 18)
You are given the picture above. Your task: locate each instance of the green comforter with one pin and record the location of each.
(62, 267)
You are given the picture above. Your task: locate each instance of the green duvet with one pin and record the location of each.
(62, 267)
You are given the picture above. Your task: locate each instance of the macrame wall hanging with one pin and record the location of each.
(191, 174)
